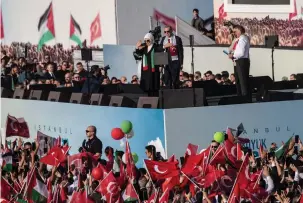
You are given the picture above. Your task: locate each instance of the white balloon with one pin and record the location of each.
(124, 159)
(130, 134)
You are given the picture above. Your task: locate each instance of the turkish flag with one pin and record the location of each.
(130, 164)
(172, 159)
(170, 183)
(162, 170)
(234, 196)
(16, 127)
(222, 13)
(95, 29)
(191, 149)
(80, 197)
(108, 186)
(1, 25)
(54, 157)
(122, 178)
(164, 19)
(192, 162)
(153, 197)
(164, 197)
(218, 157)
(6, 189)
(244, 177)
(211, 177)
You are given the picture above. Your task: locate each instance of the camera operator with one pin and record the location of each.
(172, 44)
(150, 74)
(94, 80)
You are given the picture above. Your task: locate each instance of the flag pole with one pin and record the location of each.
(232, 190)
(191, 180)
(149, 176)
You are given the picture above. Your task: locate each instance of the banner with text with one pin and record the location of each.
(71, 120)
(263, 123)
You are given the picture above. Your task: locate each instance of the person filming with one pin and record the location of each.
(150, 74)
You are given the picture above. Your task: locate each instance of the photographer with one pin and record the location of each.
(92, 84)
(150, 74)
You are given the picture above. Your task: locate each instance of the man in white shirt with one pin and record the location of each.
(241, 57)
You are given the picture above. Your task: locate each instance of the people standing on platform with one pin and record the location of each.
(172, 44)
(241, 57)
(150, 74)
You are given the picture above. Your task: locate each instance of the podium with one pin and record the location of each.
(161, 58)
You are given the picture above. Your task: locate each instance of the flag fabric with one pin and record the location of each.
(172, 159)
(130, 164)
(222, 13)
(192, 162)
(234, 196)
(161, 170)
(283, 150)
(153, 197)
(218, 157)
(130, 193)
(16, 127)
(164, 197)
(108, 185)
(3, 200)
(191, 149)
(6, 189)
(54, 157)
(164, 19)
(75, 31)
(35, 190)
(58, 141)
(240, 153)
(170, 183)
(1, 25)
(46, 26)
(95, 29)
(7, 162)
(81, 197)
(295, 13)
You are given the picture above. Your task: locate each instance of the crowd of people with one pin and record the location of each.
(218, 173)
(290, 32)
(23, 73)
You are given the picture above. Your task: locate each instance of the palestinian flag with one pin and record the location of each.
(283, 150)
(130, 193)
(36, 190)
(46, 26)
(7, 162)
(75, 31)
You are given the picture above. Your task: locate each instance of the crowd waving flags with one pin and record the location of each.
(225, 171)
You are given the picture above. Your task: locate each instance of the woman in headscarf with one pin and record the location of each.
(150, 74)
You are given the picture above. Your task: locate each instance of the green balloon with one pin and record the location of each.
(126, 126)
(135, 157)
(219, 137)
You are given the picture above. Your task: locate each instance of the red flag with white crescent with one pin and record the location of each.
(95, 29)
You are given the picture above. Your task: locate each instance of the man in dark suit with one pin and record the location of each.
(50, 74)
(172, 44)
